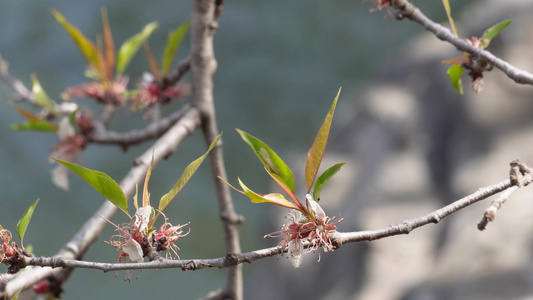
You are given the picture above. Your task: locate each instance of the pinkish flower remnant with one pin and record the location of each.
(313, 226)
(136, 239)
(150, 92)
(10, 252)
(102, 92)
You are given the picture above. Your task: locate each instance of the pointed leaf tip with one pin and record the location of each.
(185, 176)
(101, 182)
(316, 152)
(270, 160)
(24, 221)
(130, 47)
(174, 40)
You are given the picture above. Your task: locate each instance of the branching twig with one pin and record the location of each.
(101, 136)
(16, 84)
(408, 10)
(519, 176)
(338, 238)
(94, 226)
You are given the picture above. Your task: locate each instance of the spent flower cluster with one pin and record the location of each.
(306, 222)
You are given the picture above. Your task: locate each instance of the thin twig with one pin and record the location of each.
(91, 230)
(339, 238)
(102, 136)
(409, 11)
(16, 84)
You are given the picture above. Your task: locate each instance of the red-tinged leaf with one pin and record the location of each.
(455, 72)
(458, 61)
(173, 43)
(324, 178)
(87, 48)
(270, 159)
(27, 114)
(135, 198)
(184, 178)
(35, 125)
(109, 46)
(273, 198)
(41, 98)
(287, 190)
(101, 182)
(146, 195)
(130, 47)
(492, 32)
(24, 221)
(316, 152)
(154, 68)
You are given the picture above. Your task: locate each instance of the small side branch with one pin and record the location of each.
(519, 176)
(411, 12)
(17, 85)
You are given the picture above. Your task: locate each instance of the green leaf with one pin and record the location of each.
(492, 32)
(101, 182)
(270, 159)
(24, 221)
(173, 43)
(130, 47)
(36, 125)
(448, 9)
(184, 178)
(17, 294)
(316, 152)
(87, 48)
(325, 177)
(41, 98)
(273, 198)
(455, 72)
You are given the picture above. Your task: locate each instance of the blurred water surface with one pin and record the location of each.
(280, 64)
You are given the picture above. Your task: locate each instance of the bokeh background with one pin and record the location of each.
(280, 64)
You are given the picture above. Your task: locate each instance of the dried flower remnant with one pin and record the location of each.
(306, 222)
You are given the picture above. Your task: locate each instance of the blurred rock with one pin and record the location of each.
(413, 145)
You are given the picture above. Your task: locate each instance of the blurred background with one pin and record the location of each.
(410, 142)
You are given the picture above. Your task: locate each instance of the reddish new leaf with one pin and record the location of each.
(315, 154)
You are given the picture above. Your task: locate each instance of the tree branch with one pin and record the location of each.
(338, 239)
(102, 136)
(91, 230)
(408, 10)
(204, 22)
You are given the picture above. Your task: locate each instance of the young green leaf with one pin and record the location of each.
(270, 159)
(87, 48)
(492, 32)
(325, 177)
(287, 190)
(173, 43)
(35, 125)
(17, 294)
(24, 221)
(448, 9)
(184, 178)
(41, 98)
(455, 72)
(273, 198)
(316, 152)
(130, 47)
(101, 182)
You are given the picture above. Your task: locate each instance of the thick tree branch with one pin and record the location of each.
(408, 10)
(91, 230)
(204, 18)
